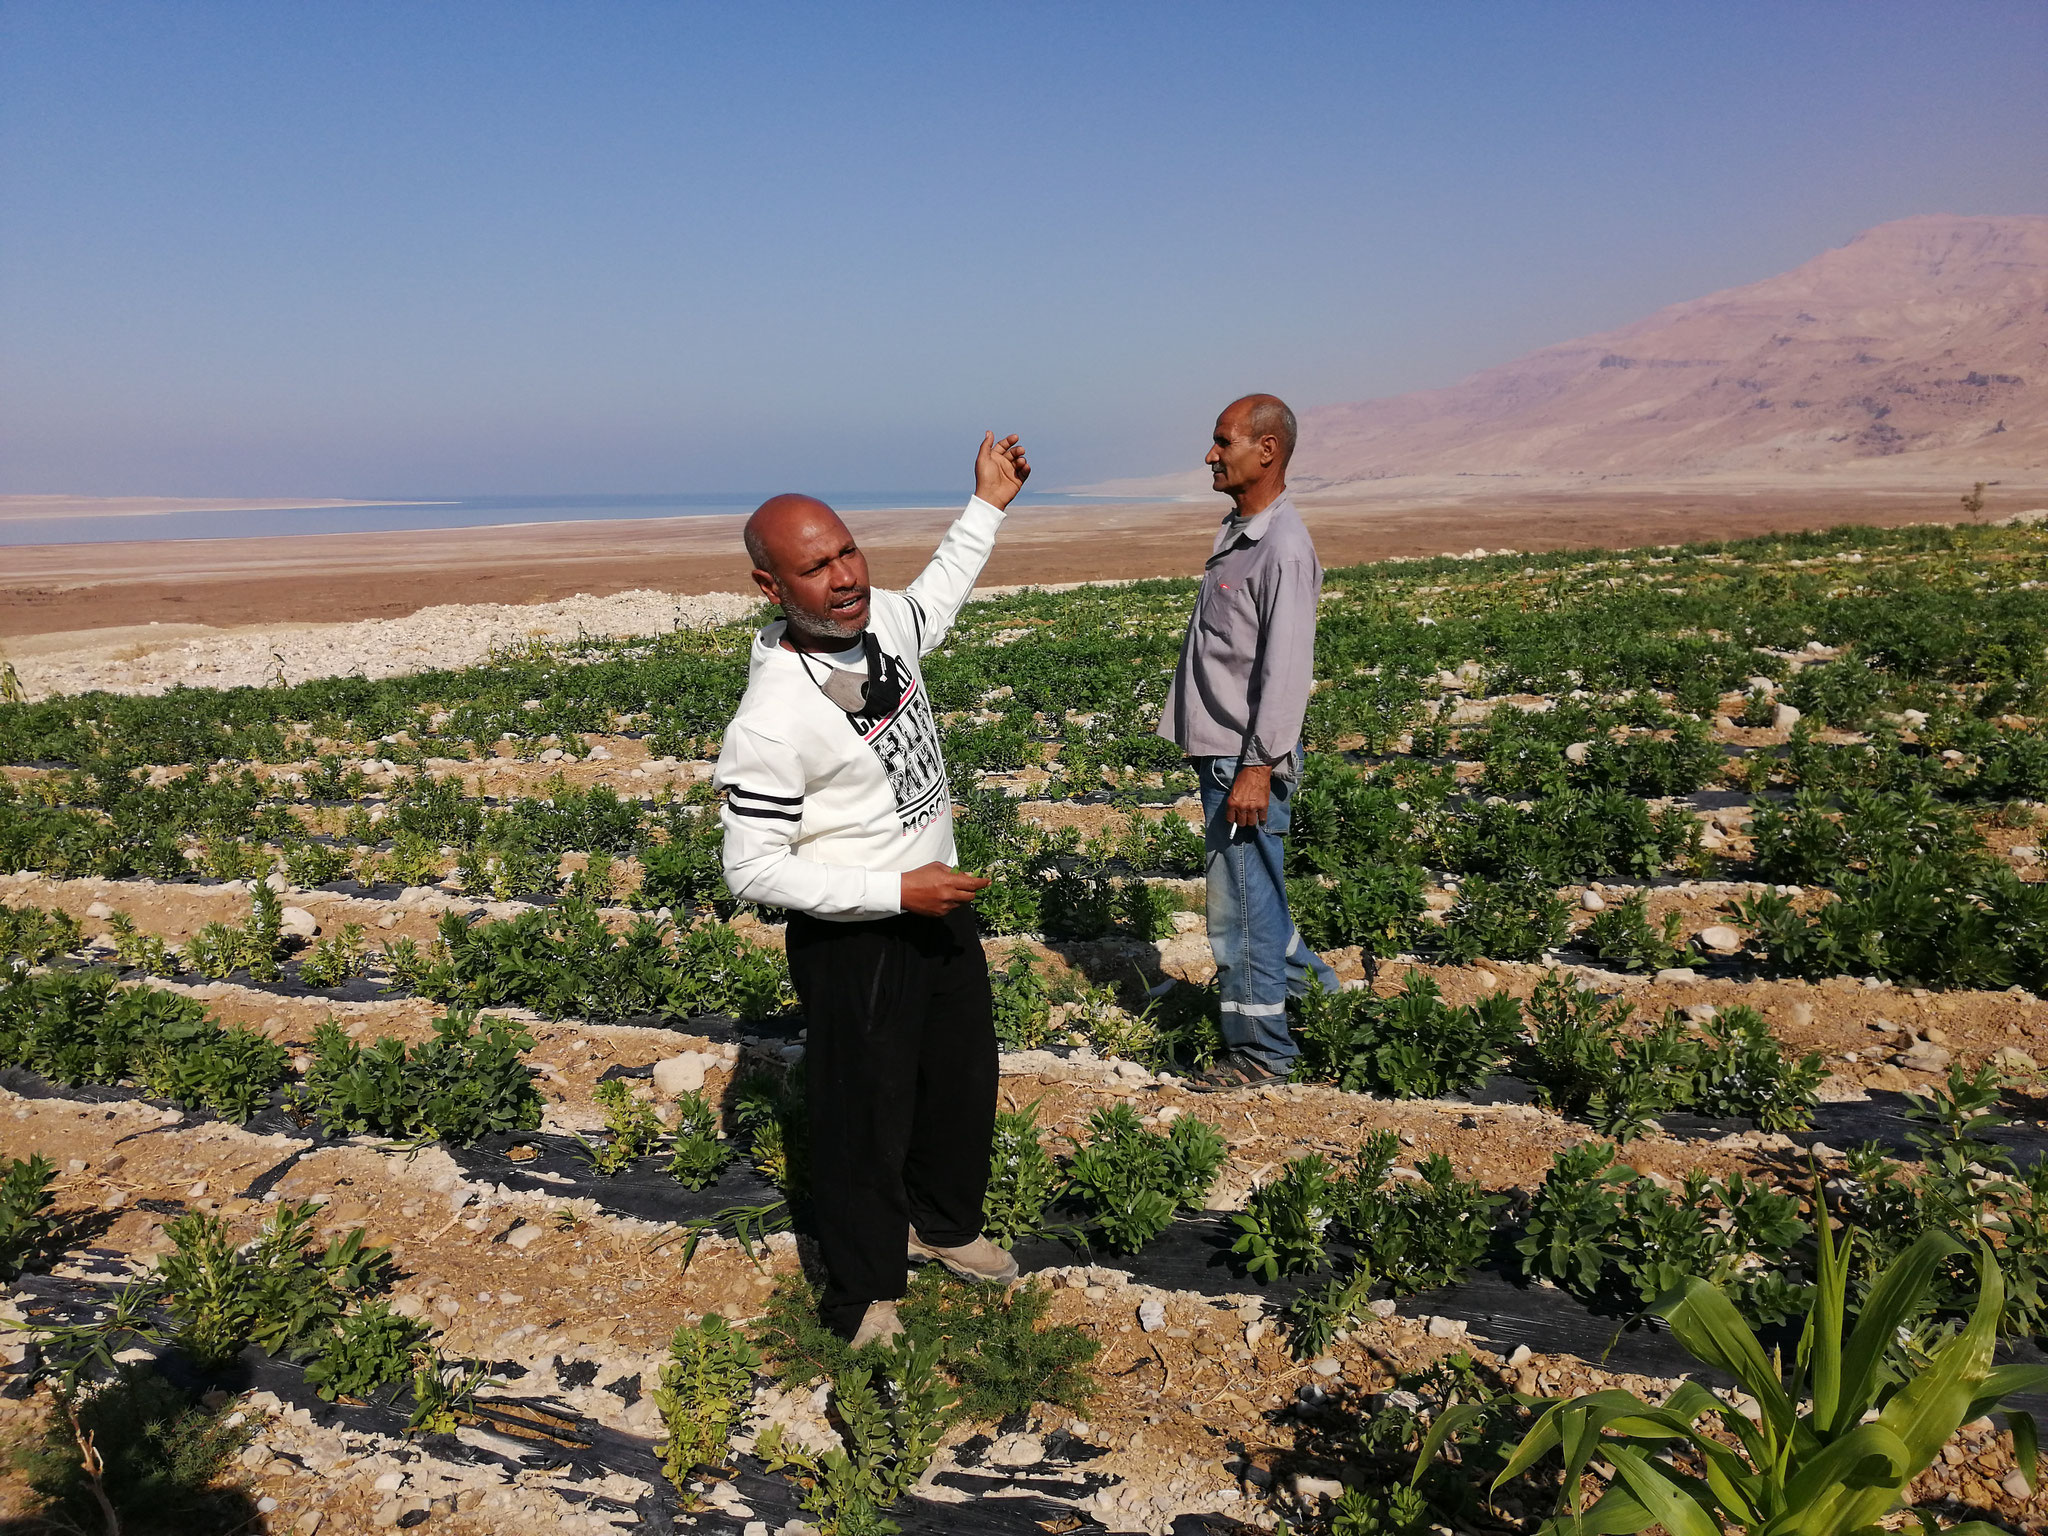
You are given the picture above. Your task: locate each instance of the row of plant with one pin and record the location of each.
(122, 1442)
(1923, 616)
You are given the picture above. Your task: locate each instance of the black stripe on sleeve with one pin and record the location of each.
(917, 617)
(755, 794)
(763, 815)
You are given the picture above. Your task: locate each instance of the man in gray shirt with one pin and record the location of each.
(1236, 707)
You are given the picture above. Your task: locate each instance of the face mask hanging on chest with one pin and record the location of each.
(873, 696)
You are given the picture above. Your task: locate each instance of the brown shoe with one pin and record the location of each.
(878, 1325)
(979, 1260)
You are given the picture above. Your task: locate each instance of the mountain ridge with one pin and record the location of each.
(1920, 346)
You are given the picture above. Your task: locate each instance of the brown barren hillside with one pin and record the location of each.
(1922, 342)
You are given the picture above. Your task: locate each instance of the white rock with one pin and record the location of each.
(2012, 1059)
(1017, 1451)
(1578, 751)
(1924, 1058)
(1313, 1490)
(1383, 1308)
(1720, 938)
(1592, 901)
(1674, 975)
(1784, 717)
(2015, 1484)
(523, 1238)
(1521, 1356)
(1326, 1365)
(100, 910)
(1761, 685)
(1446, 1328)
(682, 1074)
(1151, 1315)
(300, 923)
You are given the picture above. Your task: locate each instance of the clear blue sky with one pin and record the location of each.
(361, 249)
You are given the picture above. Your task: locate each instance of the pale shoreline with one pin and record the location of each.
(340, 577)
(22, 507)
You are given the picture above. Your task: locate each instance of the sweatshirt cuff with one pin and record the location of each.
(994, 511)
(885, 891)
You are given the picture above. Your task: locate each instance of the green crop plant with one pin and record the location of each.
(228, 1071)
(697, 1155)
(1515, 917)
(25, 1205)
(274, 1293)
(1933, 922)
(1283, 1223)
(597, 882)
(214, 951)
(442, 1393)
(263, 934)
(1422, 1233)
(565, 962)
(1132, 1180)
(1410, 1045)
(78, 1027)
(408, 965)
(1840, 1431)
(1623, 936)
(1604, 1232)
(1585, 1063)
(1023, 1178)
(769, 1110)
(1742, 1069)
(336, 959)
(1316, 1316)
(37, 935)
(706, 1384)
(231, 858)
(308, 864)
(1023, 1003)
(145, 952)
(412, 859)
(1114, 1030)
(369, 1349)
(469, 1080)
(997, 1347)
(633, 1125)
(1376, 907)
(890, 1437)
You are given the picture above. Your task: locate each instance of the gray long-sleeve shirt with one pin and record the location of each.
(1248, 663)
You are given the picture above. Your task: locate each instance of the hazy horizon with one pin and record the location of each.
(488, 251)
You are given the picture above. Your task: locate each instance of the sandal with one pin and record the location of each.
(1234, 1070)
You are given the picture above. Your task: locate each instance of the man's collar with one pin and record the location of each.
(1253, 528)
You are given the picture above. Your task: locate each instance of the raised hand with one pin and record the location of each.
(1000, 469)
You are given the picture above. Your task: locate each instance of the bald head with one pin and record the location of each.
(783, 524)
(806, 559)
(1257, 416)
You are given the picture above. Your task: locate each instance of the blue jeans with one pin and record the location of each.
(1260, 958)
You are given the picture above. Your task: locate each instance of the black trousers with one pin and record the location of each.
(900, 1073)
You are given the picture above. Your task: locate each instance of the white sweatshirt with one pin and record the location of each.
(825, 810)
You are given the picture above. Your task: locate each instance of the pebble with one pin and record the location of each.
(1720, 938)
(1151, 1315)
(1326, 1365)
(300, 923)
(682, 1074)
(1675, 976)
(1784, 717)
(1592, 901)
(100, 910)
(1017, 1451)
